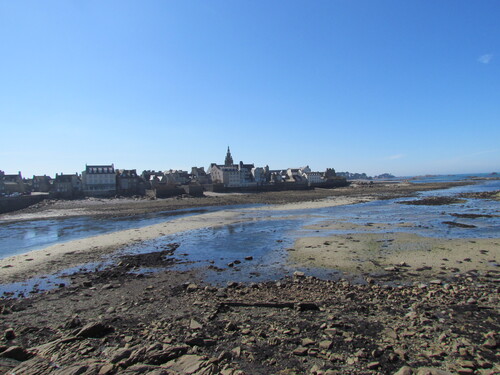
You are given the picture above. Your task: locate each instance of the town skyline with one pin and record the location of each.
(228, 160)
(54, 170)
(408, 88)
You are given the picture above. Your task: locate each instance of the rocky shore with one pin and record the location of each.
(125, 320)
(112, 322)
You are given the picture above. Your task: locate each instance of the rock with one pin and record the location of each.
(224, 356)
(249, 258)
(73, 322)
(160, 355)
(16, 352)
(391, 269)
(300, 351)
(110, 310)
(34, 366)
(231, 326)
(107, 369)
(373, 365)
(9, 334)
(120, 354)
(405, 370)
(326, 344)
(432, 371)
(299, 274)
(94, 330)
(490, 343)
(193, 324)
(390, 333)
(190, 364)
(468, 364)
(191, 288)
(74, 370)
(236, 351)
(305, 306)
(402, 354)
(308, 342)
(144, 369)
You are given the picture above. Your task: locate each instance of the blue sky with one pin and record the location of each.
(405, 87)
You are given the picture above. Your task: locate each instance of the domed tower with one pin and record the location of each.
(229, 159)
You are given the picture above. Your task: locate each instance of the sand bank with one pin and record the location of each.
(405, 254)
(69, 254)
(72, 253)
(322, 203)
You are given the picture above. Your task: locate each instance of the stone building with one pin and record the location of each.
(12, 183)
(128, 182)
(42, 184)
(67, 186)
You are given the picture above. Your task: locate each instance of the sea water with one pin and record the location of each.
(265, 235)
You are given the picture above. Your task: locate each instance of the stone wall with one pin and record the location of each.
(9, 204)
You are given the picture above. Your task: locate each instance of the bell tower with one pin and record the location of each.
(229, 159)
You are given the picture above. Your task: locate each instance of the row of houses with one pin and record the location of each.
(242, 175)
(105, 180)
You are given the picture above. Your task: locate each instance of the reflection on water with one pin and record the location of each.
(23, 236)
(222, 250)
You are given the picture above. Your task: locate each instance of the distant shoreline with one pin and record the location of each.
(121, 207)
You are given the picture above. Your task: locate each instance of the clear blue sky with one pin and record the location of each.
(406, 87)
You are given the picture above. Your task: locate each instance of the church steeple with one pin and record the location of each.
(229, 159)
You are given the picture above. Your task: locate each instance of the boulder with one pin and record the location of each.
(94, 330)
(9, 334)
(16, 352)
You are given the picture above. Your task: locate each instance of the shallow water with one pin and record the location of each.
(24, 236)
(266, 238)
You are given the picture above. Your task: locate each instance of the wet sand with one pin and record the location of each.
(397, 255)
(72, 253)
(69, 254)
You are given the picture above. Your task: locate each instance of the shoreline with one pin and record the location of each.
(72, 253)
(121, 207)
(117, 320)
(69, 254)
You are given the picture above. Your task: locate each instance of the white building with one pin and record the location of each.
(227, 175)
(232, 175)
(314, 177)
(99, 180)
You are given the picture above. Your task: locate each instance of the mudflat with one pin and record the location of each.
(135, 206)
(442, 318)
